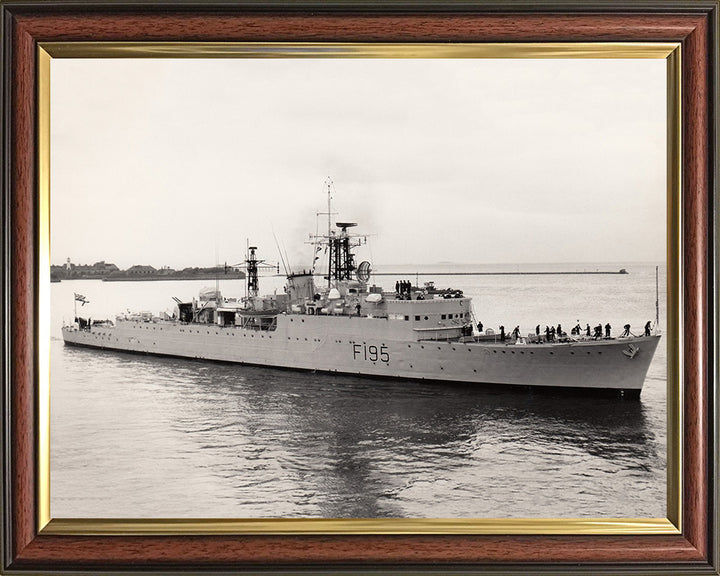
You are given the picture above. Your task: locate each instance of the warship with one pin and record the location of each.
(343, 324)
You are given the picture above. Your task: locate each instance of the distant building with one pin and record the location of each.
(83, 271)
(140, 270)
(103, 267)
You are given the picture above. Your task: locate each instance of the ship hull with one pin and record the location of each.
(380, 348)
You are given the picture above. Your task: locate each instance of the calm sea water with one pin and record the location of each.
(139, 436)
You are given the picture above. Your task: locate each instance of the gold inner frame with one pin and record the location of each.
(671, 52)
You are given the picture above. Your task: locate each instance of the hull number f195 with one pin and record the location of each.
(371, 353)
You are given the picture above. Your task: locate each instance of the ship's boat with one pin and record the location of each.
(348, 326)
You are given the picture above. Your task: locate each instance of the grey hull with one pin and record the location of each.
(380, 347)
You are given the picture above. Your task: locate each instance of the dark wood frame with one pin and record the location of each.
(692, 23)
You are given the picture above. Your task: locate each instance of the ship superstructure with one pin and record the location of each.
(344, 324)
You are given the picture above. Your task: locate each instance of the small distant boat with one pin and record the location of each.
(348, 326)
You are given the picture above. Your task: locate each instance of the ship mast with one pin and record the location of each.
(329, 214)
(341, 260)
(657, 300)
(252, 265)
(252, 272)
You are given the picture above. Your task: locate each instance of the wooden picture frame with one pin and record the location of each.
(28, 547)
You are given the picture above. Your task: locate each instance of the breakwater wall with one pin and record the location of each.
(560, 273)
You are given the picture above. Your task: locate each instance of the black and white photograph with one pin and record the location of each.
(351, 288)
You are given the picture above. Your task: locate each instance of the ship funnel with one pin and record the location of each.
(300, 287)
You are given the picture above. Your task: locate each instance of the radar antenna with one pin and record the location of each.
(363, 272)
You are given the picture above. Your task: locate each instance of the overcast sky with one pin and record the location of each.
(176, 162)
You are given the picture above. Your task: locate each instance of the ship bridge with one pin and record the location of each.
(433, 319)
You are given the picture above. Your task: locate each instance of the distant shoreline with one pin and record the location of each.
(154, 278)
(109, 272)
